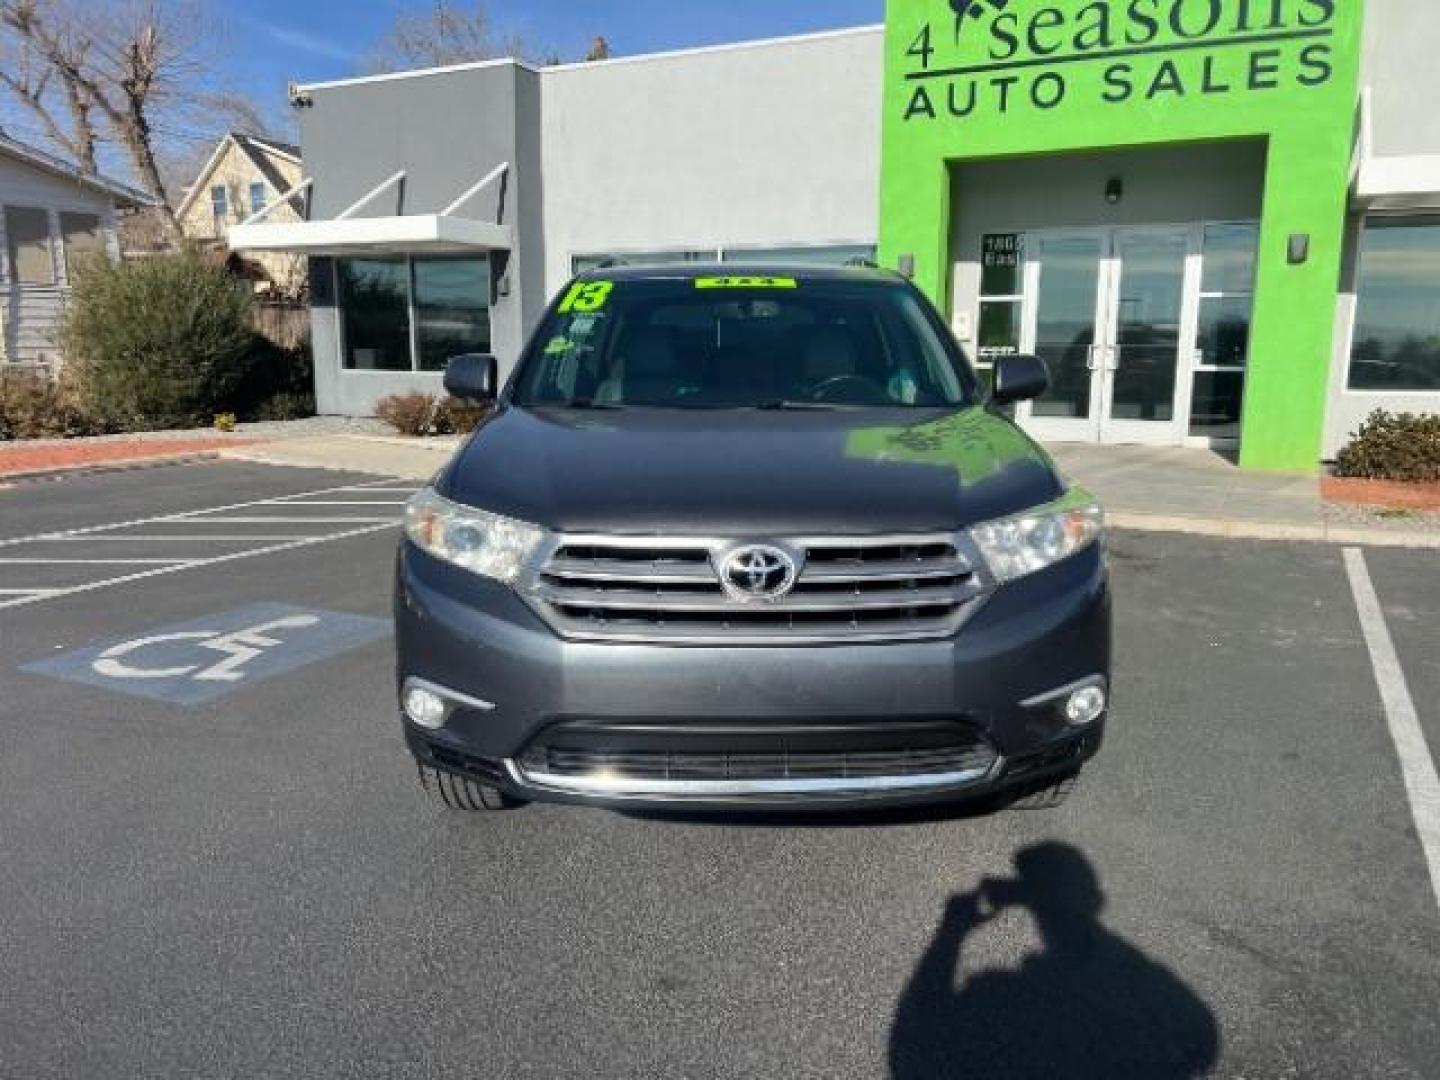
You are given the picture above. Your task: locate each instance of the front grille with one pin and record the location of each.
(853, 589)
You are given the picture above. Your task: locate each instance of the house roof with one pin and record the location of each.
(123, 194)
(258, 150)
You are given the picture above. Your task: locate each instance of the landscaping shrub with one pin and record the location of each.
(285, 406)
(225, 422)
(456, 416)
(35, 406)
(1393, 447)
(159, 342)
(409, 414)
(277, 383)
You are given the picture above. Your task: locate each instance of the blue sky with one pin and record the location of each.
(276, 41)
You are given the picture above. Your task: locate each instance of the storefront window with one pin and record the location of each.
(1002, 290)
(1223, 334)
(445, 301)
(452, 310)
(1397, 318)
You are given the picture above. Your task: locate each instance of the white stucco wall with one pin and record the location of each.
(770, 143)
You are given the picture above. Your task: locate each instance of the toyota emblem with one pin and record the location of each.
(758, 572)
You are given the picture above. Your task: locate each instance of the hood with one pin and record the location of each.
(750, 473)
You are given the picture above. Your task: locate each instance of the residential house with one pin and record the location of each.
(243, 175)
(52, 214)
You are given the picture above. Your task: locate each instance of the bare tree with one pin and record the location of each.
(130, 72)
(445, 33)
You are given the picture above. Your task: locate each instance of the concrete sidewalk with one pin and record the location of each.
(1155, 489)
(405, 459)
(1170, 489)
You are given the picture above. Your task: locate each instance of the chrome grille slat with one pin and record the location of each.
(668, 590)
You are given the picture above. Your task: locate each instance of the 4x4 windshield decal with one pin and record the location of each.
(746, 283)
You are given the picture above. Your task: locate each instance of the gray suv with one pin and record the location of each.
(750, 537)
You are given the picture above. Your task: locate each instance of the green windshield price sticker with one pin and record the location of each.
(587, 296)
(559, 346)
(746, 283)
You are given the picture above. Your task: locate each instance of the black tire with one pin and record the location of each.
(463, 793)
(1051, 794)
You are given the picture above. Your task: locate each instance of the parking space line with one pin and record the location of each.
(1417, 766)
(96, 562)
(249, 553)
(397, 504)
(180, 518)
(26, 592)
(277, 520)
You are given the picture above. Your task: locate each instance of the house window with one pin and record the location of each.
(412, 314)
(1397, 316)
(32, 260)
(257, 197)
(219, 203)
(82, 238)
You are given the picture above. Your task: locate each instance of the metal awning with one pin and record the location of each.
(417, 233)
(442, 233)
(1399, 183)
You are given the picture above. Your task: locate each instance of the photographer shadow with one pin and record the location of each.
(1089, 1005)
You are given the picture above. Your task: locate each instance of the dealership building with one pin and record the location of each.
(1218, 221)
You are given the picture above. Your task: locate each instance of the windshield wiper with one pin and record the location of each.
(788, 405)
(591, 403)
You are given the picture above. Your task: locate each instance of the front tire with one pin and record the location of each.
(464, 794)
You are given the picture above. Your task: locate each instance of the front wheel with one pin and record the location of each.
(463, 793)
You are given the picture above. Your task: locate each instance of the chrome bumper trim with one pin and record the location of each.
(619, 787)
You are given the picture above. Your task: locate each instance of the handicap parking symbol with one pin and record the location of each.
(200, 661)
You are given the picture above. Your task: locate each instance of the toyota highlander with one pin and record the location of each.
(750, 537)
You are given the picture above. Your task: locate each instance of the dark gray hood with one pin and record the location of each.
(750, 473)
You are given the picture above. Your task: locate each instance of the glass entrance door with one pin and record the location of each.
(1110, 312)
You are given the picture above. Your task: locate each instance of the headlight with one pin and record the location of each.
(488, 544)
(1020, 545)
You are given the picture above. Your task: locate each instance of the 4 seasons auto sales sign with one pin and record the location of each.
(977, 58)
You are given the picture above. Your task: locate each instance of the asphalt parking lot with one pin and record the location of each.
(248, 881)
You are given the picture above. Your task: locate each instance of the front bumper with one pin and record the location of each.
(515, 685)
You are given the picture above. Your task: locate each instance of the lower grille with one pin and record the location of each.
(696, 762)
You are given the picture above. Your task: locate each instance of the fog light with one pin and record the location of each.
(425, 707)
(1085, 705)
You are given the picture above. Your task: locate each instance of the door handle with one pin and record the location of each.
(1093, 362)
(1114, 351)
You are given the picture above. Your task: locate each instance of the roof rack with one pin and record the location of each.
(609, 262)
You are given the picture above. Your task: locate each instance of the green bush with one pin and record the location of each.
(409, 414)
(163, 341)
(277, 383)
(1393, 447)
(285, 406)
(35, 406)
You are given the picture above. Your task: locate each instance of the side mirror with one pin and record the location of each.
(1020, 378)
(472, 377)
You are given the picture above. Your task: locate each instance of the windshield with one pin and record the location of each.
(741, 342)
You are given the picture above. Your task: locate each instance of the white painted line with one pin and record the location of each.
(1417, 766)
(398, 504)
(303, 542)
(276, 520)
(96, 562)
(167, 537)
(26, 592)
(63, 534)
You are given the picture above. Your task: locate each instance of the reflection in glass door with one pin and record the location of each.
(1065, 272)
(1109, 313)
(1147, 316)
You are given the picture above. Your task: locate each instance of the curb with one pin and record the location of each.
(100, 468)
(252, 457)
(1273, 530)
